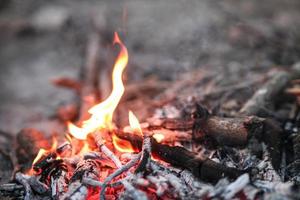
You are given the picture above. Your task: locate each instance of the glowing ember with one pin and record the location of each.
(102, 113)
(158, 137)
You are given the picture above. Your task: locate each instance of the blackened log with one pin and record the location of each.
(202, 168)
(226, 131)
(235, 132)
(146, 153)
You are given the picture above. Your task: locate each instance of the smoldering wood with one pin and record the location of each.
(99, 142)
(28, 143)
(202, 168)
(146, 155)
(58, 184)
(118, 172)
(226, 131)
(50, 169)
(85, 169)
(233, 132)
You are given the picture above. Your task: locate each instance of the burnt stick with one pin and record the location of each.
(146, 153)
(85, 169)
(204, 169)
(265, 98)
(232, 131)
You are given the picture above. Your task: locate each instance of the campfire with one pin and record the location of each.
(198, 156)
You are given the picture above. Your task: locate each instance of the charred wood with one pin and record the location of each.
(202, 168)
(12, 190)
(28, 191)
(263, 101)
(85, 169)
(118, 172)
(234, 132)
(146, 155)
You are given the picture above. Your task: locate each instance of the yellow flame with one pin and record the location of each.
(134, 123)
(122, 145)
(39, 155)
(158, 137)
(102, 113)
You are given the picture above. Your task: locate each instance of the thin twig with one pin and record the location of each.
(99, 141)
(118, 172)
(146, 153)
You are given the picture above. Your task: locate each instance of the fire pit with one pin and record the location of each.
(202, 136)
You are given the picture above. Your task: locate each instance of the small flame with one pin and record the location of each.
(158, 137)
(39, 155)
(84, 149)
(134, 123)
(102, 113)
(122, 145)
(44, 151)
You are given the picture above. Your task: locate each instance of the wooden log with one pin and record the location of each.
(202, 168)
(235, 132)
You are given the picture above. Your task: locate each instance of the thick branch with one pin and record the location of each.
(232, 131)
(205, 169)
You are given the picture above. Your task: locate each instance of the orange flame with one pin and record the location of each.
(44, 151)
(39, 155)
(134, 123)
(122, 145)
(102, 113)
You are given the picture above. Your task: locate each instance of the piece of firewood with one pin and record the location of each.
(231, 132)
(202, 168)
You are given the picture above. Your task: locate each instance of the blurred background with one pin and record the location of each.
(42, 40)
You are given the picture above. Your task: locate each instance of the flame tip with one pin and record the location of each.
(116, 38)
